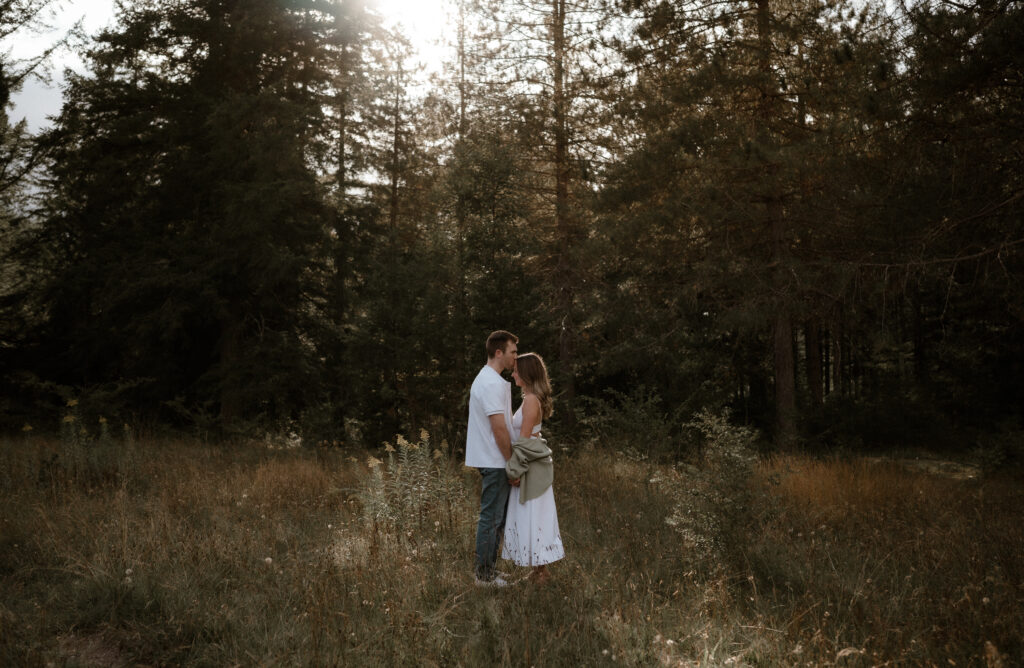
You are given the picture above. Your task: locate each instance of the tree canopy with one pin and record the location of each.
(261, 215)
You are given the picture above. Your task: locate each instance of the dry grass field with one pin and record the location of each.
(160, 553)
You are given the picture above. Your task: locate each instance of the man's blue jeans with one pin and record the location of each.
(491, 527)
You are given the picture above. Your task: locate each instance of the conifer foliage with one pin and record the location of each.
(264, 212)
(186, 222)
(19, 306)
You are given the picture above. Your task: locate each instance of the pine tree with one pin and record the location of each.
(740, 110)
(958, 248)
(20, 308)
(357, 44)
(485, 239)
(549, 55)
(187, 220)
(392, 334)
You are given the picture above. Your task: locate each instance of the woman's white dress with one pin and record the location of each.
(531, 528)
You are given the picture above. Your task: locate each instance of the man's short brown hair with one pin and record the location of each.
(498, 341)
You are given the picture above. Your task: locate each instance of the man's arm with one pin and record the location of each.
(501, 434)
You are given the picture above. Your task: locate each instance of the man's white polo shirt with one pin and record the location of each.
(490, 395)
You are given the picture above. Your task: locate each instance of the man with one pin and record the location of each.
(489, 446)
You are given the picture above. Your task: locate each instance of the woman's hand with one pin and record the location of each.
(514, 483)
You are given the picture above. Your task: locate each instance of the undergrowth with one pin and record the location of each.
(246, 555)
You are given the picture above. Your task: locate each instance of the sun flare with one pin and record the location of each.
(425, 23)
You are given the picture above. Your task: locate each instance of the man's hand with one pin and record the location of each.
(501, 435)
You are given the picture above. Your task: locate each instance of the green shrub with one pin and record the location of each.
(879, 421)
(415, 484)
(86, 458)
(712, 501)
(636, 422)
(999, 450)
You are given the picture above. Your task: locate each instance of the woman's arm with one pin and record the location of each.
(531, 415)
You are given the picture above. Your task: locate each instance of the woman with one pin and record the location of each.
(531, 526)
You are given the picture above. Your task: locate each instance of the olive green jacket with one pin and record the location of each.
(531, 463)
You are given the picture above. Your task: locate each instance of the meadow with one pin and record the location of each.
(115, 552)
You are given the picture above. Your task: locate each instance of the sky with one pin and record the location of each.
(424, 21)
(39, 99)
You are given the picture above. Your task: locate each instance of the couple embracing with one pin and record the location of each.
(517, 503)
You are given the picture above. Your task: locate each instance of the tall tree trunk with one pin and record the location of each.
(563, 222)
(391, 336)
(918, 332)
(838, 380)
(230, 358)
(785, 375)
(461, 299)
(395, 152)
(785, 381)
(812, 339)
(826, 357)
(462, 69)
(341, 176)
(342, 224)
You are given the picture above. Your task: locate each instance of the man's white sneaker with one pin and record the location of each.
(497, 581)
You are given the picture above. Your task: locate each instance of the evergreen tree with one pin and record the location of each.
(357, 48)
(960, 162)
(20, 309)
(548, 59)
(486, 239)
(187, 218)
(390, 324)
(740, 112)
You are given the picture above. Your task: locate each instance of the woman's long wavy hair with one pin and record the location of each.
(534, 374)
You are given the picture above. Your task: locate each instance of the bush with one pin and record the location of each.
(88, 459)
(636, 422)
(413, 485)
(882, 421)
(711, 502)
(999, 450)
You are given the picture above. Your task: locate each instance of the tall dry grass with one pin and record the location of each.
(188, 554)
(905, 566)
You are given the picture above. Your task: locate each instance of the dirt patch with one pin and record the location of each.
(941, 467)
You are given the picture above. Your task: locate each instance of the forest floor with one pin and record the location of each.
(933, 465)
(163, 553)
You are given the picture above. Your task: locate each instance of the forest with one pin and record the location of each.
(772, 252)
(260, 217)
